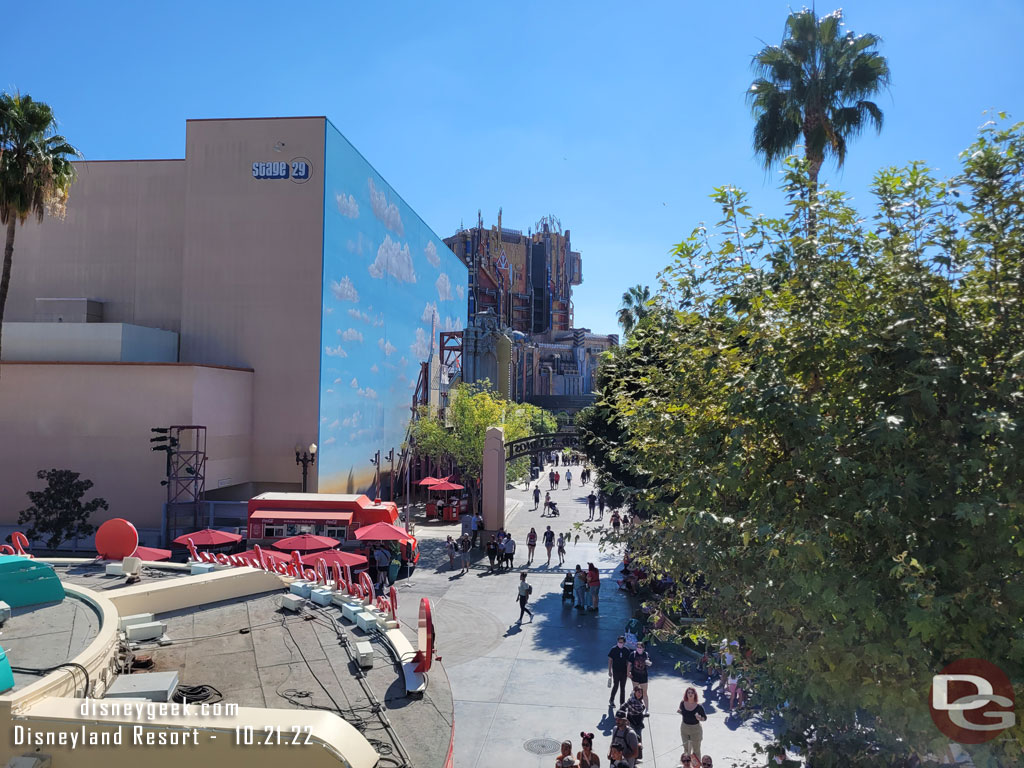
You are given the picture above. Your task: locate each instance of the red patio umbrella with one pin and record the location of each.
(151, 554)
(332, 556)
(446, 486)
(250, 554)
(382, 532)
(208, 538)
(306, 541)
(429, 481)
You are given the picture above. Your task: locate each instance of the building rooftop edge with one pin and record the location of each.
(119, 362)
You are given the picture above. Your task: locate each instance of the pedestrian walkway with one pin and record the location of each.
(547, 679)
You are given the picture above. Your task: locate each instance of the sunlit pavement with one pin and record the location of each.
(547, 678)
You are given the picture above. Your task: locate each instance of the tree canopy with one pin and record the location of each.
(816, 85)
(57, 512)
(829, 432)
(35, 171)
(460, 435)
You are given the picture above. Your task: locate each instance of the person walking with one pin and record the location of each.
(600, 504)
(383, 558)
(561, 549)
(625, 738)
(449, 547)
(465, 545)
(586, 757)
(616, 521)
(551, 480)
(690, 730)
(525, 590)
(549, 542)
(579, 588)
(474, 526)
(639, 661)
(492, 552)
(593, 585)
(547, 503)
(618, 670)
(536, 496)
(591, 504)
(531, 545)
(568, 478)
(510, 552)
(636, 708)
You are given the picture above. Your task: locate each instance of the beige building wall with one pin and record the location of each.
(252, 272)
(94, 418)
(120, 243)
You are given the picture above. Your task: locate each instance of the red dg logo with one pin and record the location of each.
(972, 701)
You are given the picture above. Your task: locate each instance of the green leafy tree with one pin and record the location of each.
(829, 433)
(35, 171)
(57, 512)
(816, 85)
(459, 438)
(635, 307)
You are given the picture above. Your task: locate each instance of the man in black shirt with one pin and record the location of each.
(618, 666)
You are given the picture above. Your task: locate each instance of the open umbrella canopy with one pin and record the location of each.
(382, 532)
(152, 554)
(250, 554)
(429, 481)
(447, 486)
(333, 556)
(306, 541)
(208, 538)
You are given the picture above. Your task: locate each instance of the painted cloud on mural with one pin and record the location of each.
(347, 205)
(344, 290)
(385, 210)
(395, 260)
(444, 287)
(432, 257)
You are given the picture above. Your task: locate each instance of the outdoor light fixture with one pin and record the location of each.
(305, 457)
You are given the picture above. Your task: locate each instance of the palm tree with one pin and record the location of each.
(815, 85)
(35, 171)
(635, 307)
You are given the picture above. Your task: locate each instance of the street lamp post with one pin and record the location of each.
(306, 457)
(376, 472)
(391, 475)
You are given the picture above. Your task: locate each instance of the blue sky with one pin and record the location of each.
(617, 118)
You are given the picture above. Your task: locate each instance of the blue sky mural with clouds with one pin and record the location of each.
(390, 286)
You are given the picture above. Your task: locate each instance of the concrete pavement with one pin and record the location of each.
(547, 679)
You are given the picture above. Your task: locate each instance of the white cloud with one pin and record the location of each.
(354, 383)
(394, 259)
(432, 257)
(334, 424)
(352, 421)
(330, 441)
(344, 290)
(453, 323)
(385, 210)
(347, 205)
(404, 361)
(368, 393)
(444, 288)
(460, 291)
(386, 346)
(329, 310)
(335, 351)
(430, 312)
(350, 334)
(374, 368)
(323, 420)
(330, 391)
(420, 348)
(376, 322)
(337, 381)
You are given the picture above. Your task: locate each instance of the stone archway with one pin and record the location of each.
(497, 454)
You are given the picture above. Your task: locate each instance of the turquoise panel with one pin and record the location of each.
(6, 676)
(28, 582)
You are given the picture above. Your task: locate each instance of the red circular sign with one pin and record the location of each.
(116, 539)
(972, 701)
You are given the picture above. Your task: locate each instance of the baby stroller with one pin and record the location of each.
(634, 632)
(568, 585)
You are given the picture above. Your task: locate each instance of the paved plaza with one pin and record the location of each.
(547, 679)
